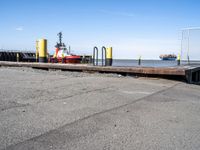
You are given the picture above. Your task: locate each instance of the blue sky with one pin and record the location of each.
(143, 27)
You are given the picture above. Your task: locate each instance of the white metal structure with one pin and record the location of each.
(190, 44)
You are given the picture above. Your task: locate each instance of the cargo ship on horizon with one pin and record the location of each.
(170, 57)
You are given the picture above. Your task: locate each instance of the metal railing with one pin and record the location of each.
(96, 56)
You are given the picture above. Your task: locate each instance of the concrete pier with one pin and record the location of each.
(42, 110)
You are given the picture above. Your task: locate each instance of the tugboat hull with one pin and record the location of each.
(73, 59)
(67, 59)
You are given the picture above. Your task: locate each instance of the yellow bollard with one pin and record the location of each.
(63, 58)
(109, 57)
(37, 51)
(179, 60)
(42, 50)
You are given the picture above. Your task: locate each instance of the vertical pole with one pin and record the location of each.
(95, 56)
(179, 60)
(139, 60)
(60, 38)
(109, 56)
(63, 59)
(103, 56)
(188, 57)
(17, 57)
(42, 50)
(69, 50)
(182, 44)
(84, 59)
(37, 51)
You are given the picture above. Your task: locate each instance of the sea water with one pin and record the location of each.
(149, 63)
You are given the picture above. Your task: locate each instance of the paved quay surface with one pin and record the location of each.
(42, 110)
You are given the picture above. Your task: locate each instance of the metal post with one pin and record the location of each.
(182, 44)
(95, 56)
(188, 57)
(103, 56)
(37, 51)
(179, 60)
(69, 50)
(139, 60)
(17, 57)
(63, 59)
(109, 56)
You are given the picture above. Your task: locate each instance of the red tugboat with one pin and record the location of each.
(62, 54)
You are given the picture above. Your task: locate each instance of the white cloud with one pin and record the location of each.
(19, 29)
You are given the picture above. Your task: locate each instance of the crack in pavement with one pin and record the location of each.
(18, 105)
(74, 95)
(93, 115)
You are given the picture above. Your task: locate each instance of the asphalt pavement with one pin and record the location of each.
(42, 110)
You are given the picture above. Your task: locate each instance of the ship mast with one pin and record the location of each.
(60, 45)
(60, 38)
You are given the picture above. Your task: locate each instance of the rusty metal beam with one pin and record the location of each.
(182, 71)
(81, 67)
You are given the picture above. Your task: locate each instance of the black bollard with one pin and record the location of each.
(139, 61)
